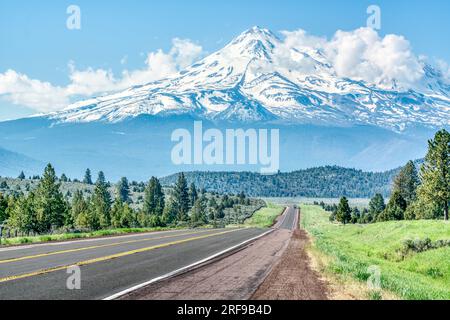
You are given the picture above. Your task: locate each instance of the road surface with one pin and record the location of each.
(290, 218)
(108, 265)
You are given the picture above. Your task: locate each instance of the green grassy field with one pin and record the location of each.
(353, 248)
(264, 217)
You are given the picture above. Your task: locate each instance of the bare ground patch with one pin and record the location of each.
(293, 278)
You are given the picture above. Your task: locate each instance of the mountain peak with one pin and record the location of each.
(255, 42)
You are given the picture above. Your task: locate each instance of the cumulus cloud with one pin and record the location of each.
(21, 90)
(360, 54)
(44, 97)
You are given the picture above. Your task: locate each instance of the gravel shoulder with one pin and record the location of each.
(293, 278)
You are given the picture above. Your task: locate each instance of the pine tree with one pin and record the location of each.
(24, 215)
(117, 213)
(79, 206)
(123, 190)
(242, 197)
(21, 176)
(180, 198)
(63, 178)
(87, 177)
(355, 215)
(376, 207)
(102, 201)
(343, 213)
(198, 215)
(406, 183)
(395, 209)
(3, 208)
(193, 195)
(435, 172)
(50, 206)
(154, 201)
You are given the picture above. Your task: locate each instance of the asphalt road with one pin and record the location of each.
(108, 265)
(289, 219)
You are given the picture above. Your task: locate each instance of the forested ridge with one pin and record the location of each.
(321, 182)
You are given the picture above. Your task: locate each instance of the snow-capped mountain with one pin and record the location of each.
(323, 119)
(246, 81)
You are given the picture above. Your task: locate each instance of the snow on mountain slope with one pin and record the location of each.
(248, 80)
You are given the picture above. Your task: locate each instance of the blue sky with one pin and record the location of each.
(35, 42)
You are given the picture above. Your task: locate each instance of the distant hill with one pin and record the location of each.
(327, 182)
(12, 163)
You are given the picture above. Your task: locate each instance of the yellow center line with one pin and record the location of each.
(94, 247)
(110, 257)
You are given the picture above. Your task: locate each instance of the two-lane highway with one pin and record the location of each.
(108, 265)
(290, 218)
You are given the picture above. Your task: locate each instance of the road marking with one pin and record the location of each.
(113, 256)
(87, 239)
(40, 255)
(181, 270)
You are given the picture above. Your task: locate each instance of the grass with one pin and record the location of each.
(265, 217)
(352, 249)
(72, 236)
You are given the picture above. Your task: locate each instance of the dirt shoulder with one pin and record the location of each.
(293, 278)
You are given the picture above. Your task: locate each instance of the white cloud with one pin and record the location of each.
(360, 54)
(444, 67)
(21, 90)
(42, 96)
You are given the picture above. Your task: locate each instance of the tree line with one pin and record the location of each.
(45, 209)
(423, 194)
(320, 182)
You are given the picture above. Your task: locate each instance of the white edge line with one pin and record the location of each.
(173, 273)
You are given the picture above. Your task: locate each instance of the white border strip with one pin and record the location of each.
(181, 270)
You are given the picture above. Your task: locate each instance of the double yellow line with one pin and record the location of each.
(105, 258)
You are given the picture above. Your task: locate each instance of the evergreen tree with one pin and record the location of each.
(24, 215)
(343, 214)
(79, 206)
(154, 200)
(406, 182)
(3, 208)
(395, 209)
(169, 214)
(122, 216)
(87, 177)
(180, 198)
(21, 176)
(376, 207)
(213, 209)
(88, 218)
(50, 206)
(193, 195)
(355, 215)
(123, 190)
(436, 172)
(102, 201)
(198, 215)
(242, 197)
(63, 178)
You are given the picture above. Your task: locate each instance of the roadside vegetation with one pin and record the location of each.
(265, 217)
(412, 256)
(42, 212)
(407, 240)
(416, 195)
